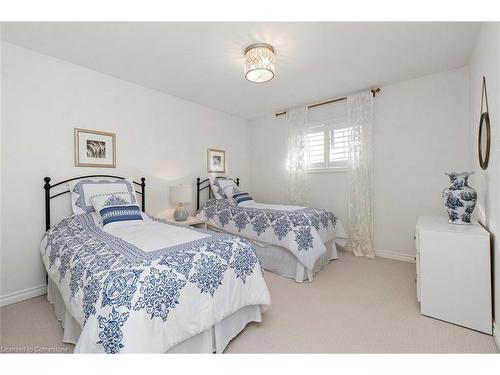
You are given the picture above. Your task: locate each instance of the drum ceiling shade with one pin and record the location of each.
(259, 63)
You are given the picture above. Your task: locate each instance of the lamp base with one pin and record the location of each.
(180, 213)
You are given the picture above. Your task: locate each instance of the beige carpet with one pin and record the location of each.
(353, 305)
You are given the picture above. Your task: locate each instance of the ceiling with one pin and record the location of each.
(203, 62)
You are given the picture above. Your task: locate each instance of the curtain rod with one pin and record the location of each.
(374, 91)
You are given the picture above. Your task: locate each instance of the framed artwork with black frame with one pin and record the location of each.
(216, 161)
(95, 148)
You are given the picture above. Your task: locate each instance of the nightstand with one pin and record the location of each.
(191, 221)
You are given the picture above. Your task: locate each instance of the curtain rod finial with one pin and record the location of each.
(375, 91)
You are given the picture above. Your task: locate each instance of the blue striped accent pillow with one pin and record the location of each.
(242, 197)
(113, 214)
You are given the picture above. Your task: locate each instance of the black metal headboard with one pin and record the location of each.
(47, 186)
(199, 188)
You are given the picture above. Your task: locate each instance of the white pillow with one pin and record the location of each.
(116, 207)
(218, 184)
(217, 191)
(229, 191)
(82, 190)
(120, 198)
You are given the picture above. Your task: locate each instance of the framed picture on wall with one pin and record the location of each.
(95, 148)
(216, 161)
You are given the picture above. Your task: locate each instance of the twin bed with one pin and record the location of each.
(293, 241)
(123, 281)
(142, 285)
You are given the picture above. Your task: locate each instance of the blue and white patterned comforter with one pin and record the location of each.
(130, 294)
(303, 231)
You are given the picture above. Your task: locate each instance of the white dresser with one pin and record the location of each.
(454, 272)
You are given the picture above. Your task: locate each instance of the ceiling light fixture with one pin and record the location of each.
(259, 62)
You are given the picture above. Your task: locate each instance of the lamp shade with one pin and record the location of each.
(180, 194)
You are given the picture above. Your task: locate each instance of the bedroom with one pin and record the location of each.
(359, 121)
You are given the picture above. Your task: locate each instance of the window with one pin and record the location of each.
(327, 144)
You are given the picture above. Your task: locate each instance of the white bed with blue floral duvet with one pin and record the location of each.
(293, 241)
(143, 285)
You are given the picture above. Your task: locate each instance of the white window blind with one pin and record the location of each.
(316, 139)
(328, 146)
(338, 145)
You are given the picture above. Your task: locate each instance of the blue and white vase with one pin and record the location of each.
(460, 198)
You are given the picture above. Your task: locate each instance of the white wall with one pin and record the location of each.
(486, 62)
(420, 132)
(160, 137)
(1, 133)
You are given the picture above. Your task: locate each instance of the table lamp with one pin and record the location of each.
(180, 194)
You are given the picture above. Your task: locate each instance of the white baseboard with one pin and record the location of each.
(389, 255)
(395, 256)
(496, 335)
(21, 295)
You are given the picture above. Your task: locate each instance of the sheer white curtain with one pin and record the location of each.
(360, 117)
(297, 156)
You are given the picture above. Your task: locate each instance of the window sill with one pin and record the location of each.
(328, 170)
